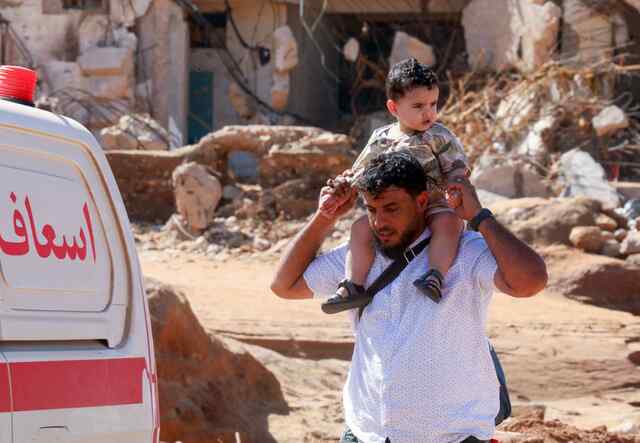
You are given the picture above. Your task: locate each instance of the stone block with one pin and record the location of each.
(197, 195)
(106, 61)
(587, 238)
(405, 46)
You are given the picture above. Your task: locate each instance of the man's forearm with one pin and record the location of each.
(298, 254)
(522, 269)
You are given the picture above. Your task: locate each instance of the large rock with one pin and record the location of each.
(135, 131)
(509, 178)
(405, 46)
(545, 221)
(610, 120)
(285, 49)
(584, 177)
(197, 195)
(596, 279)
(105, 61)
(207, 391)
(587, 238)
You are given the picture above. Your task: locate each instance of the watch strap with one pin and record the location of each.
(484, 213)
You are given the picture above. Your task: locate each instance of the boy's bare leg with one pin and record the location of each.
(443, 248)
(360, 255)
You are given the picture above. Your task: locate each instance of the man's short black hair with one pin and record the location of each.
(388, 169)
(409, 74)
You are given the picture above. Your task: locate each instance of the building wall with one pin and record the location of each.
(208, 60)
(314, 93)
(164, 52)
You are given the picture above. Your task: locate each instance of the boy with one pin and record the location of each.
(412, 98)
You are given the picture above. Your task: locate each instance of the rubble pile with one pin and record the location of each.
(135, 131)
(525, 123)
(536, 430)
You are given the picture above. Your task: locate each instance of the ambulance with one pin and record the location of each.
(76, 352)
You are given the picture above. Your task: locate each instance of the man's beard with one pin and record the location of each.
(397, 251)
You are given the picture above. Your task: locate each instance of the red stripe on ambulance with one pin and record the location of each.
(75, 383)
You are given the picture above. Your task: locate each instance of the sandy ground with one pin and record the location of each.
(560, 353)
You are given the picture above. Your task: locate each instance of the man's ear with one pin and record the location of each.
(423, 200)
(392, 107)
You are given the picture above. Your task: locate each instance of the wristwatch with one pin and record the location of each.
(484, 213)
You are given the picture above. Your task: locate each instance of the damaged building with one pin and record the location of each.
(196, 66)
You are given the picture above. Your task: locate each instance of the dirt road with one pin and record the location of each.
(560, 353)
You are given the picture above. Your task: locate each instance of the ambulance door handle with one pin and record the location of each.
(52, 434)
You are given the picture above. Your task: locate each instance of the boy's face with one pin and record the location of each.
(417, 110)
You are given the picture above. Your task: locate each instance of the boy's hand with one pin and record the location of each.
(338, 196)
(469, 204)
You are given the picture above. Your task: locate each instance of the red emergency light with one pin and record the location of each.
(17, 84)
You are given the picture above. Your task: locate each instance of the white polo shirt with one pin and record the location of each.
(421, 372)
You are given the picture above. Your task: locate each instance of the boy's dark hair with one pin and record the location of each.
(409, 74)
(398, 169)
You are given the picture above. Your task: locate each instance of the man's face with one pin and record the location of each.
(396, 217)
(417, 109)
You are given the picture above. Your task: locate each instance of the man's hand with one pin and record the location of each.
(469, 203)
(338, 197)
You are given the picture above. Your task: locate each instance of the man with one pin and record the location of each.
(421, 371)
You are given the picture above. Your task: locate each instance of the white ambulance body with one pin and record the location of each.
(76, 354)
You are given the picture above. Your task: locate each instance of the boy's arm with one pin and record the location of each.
(521, 271)
(288, 281)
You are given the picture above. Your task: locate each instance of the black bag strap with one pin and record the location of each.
(394, 269)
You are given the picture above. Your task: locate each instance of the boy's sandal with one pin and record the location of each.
(430, 284)
(357, 298)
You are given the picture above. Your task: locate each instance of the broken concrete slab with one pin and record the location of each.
(610, 120)
(198, 193)
(583, 176)
(285, 49)
(540, 32)
(137, 131)
(106, 61)
(508, 177)
(405, 46)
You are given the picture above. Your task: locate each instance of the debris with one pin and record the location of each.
(406, 46)
(631, 244)
(584, 177)
(508, 177)
(587, 238)
(197, 195)
(135, 131)
(610, 120)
